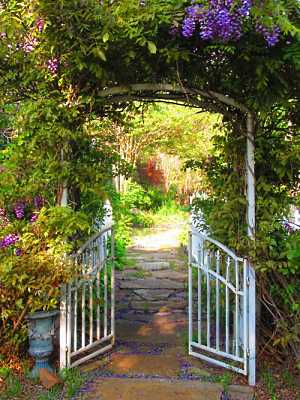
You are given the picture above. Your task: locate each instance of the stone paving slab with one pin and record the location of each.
(172, 332)
(172, 275)
(145, 364)
(154, 294)
(151, 283)
(153, 265)
(144, 389)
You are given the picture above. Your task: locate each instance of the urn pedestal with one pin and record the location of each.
(41, 331)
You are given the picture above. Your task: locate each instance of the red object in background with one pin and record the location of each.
(152, 173)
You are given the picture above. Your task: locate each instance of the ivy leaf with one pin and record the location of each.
(99, 53)
(105, 37)
(152, 47)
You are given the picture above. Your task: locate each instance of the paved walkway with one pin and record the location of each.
(150, 358)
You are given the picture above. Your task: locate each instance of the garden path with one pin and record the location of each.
(150, 358)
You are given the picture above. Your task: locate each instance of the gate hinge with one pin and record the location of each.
(67, 349)
(248, 281)
(248, 353)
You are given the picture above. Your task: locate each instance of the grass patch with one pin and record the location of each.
(270, 384)
(23, 387)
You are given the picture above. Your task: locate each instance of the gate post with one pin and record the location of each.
(63, 363)
(250, 175)
(63, 329)
(251, 326)
(190, 302)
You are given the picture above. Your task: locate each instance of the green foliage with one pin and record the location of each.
(269, 382)
(73, 379)
(225, 380)
(135, 196)
(13, 386)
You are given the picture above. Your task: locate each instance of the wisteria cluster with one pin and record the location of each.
(9, 240)
(20, 211)
(52, 65)
(40, 24)
(222, 20)
(271, 36)
(30, 44)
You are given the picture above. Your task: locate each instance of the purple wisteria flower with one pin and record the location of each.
(222, 20)
(19, 209)
(9, 240)
(40, 24)
(18, 252)
(30, 44)
(38, 202)
(33, 218)
(52, 65)
(271, 36)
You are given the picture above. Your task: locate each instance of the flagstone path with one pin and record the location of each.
(150, 358)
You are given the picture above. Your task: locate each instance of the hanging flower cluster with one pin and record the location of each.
(21, 210)
(222, 20)
(52, 65)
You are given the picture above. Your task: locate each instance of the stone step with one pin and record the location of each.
(152, 265)
(110, 388)
(154, 294)
(154, 255)
(153, 306)
(172, 275)
(151, 283)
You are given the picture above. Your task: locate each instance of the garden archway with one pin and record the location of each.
(245, 305)
(94, 57)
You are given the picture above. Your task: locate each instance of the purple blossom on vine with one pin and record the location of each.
(30, 44)
(188, 27)
(271, 36)
(33, 217)
(52, 65)
(9, 240)
(40, 24)
(19, 209)
(222, 20)
(38, 202)
(18, 252)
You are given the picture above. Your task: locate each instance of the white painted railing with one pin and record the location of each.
(87, 310)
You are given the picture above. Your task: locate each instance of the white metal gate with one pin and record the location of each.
(221, 306)
(87, 311)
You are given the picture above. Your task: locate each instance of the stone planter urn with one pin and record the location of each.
(41, 331)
